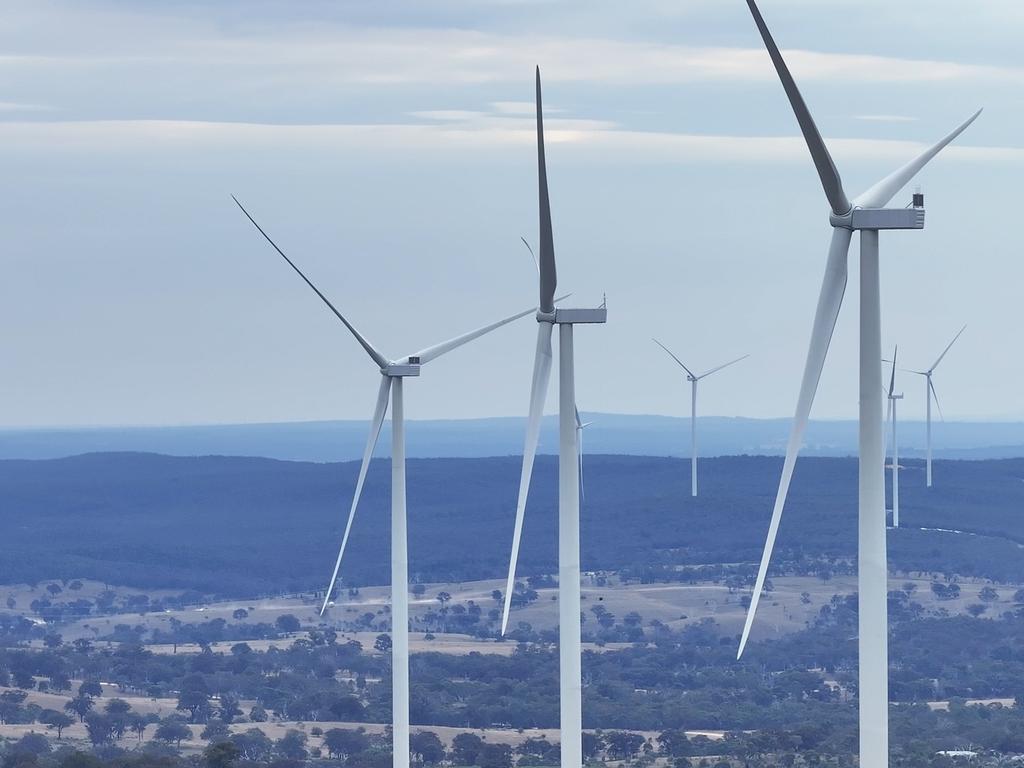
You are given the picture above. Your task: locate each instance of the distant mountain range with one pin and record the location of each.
(610, 434)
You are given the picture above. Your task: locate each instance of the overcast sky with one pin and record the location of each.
(389, 148)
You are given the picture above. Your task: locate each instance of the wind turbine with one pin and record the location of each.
(929, 394)
(569, 627)
(891, 418)
(868, 215)
(393, 374)
(693, 379)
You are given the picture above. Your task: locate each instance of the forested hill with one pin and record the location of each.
(246, 525)
(610, 433)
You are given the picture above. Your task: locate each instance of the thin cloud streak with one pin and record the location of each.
(477, 133)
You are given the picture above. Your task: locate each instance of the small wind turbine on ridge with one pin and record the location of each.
(693, 379)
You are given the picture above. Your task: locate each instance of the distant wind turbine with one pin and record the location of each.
(892, 397)
(929, 394)
(569, 626)
(868, 215)
(580, 426)
(693, 379)
(393, 374)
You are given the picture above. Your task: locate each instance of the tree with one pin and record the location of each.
(79, 759)
(466, 748)
(31, 743)
(444, 598)
(171, 729)
(138, 724)
(194, 698)
(988, 594)
(53, 640)
(383, 643)
(292, 745)
(592, 745)
(56, 720)
(287, 623)
(10, 705)
(623, 745)
(228, 709)
(220, 755)
(253, 744)
(215, 730)
(426, 746)
(976, 609)
(342, 743)
(495, 756)
(240, 613)
(100, 728)
(418, 590)
(118, 711)
(54, 589)
(80, 705)
(258, 714)
(90, 688)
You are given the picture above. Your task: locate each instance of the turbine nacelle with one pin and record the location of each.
(402, 368)
(574, 316)
(879, 218)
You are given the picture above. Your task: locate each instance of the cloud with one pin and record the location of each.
(592, 140)
(885, 118)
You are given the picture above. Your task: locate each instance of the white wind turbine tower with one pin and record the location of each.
(569, 628)
(929, 394)
(693, 379)
(393, 373)
(891, 418)
(867, 215)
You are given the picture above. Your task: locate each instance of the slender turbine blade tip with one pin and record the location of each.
(948, 347)
(688, 371)
(380, 409)
(376, 356)
(830, 299)
(827, 172)
(723, 366)
(546, 262)
(538, 392)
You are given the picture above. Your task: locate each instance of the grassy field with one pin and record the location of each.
(793, 602)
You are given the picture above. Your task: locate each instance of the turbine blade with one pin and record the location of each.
(833, 287)
(377, 357)
(532, 254)
(548, 273)
(830, 180)
(434, 352)
(674, 358)
(375, 424)
(935, 396)
(726, 365)
(579, 447)
(880, 194)
(936, 364)
(538, 392)
(892, 379)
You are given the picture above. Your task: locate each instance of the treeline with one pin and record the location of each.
(240, 526)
